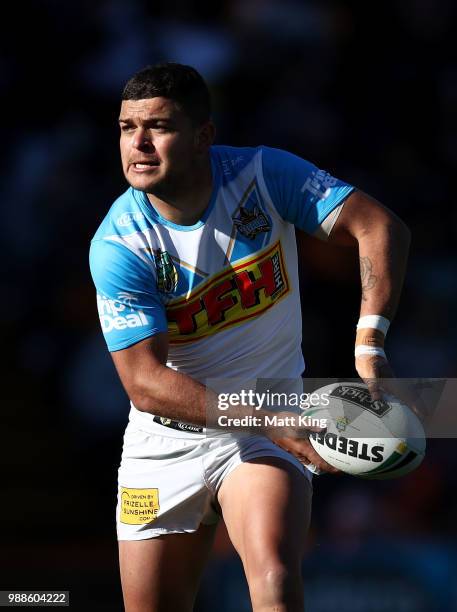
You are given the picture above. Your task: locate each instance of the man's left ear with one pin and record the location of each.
(204, 136)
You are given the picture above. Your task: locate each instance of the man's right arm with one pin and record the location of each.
(153, 387)
(134, 324)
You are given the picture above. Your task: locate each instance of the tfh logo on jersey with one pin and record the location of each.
(119, 314)
(241, 292)
(250, 223)
(167, 275)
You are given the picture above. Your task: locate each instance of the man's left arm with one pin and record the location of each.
(383, 243)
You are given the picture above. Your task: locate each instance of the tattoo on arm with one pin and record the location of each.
(368, 279)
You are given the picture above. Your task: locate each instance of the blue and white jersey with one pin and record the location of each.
(225, 289)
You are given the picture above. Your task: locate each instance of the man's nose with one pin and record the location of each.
(141, 139)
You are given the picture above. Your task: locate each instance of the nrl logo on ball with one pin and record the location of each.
(341, 423)
(250, 223)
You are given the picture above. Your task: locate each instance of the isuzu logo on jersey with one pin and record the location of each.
(167, 276)
(241, 292)
(117, 314)
(250, 223)
(127, 218)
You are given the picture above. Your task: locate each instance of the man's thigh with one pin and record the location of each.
(266, 505)
(162, 574)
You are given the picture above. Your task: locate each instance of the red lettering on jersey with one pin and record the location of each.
(184, 316)
(215, 304)
(238, 293)
(249, 289)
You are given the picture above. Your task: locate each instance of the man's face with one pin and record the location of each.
(158, 144)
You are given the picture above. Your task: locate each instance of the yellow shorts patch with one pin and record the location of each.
(139, 506)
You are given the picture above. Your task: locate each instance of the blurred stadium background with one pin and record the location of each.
(366, 91)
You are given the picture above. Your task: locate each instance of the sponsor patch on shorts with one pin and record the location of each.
(139, 506)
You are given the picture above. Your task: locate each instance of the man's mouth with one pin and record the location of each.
(145, 165)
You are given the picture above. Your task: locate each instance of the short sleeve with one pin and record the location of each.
(302, 194)
(129, 306)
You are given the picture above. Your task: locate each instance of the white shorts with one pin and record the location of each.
(169, 479)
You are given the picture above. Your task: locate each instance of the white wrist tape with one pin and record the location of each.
(366, 349)
(374, 322)
(312, 468)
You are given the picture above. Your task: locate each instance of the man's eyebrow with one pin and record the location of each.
(148, 120)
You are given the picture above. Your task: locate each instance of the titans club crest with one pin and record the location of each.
(252, 222)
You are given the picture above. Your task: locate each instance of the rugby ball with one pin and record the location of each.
(370, 439)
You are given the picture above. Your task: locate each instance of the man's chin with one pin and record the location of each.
(145, 184)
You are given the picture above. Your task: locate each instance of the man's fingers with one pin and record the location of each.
(406, 393)
(305, 453)
(373, 371)
(374, 389)
(314, 428)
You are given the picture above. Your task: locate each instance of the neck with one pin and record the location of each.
(187, 199)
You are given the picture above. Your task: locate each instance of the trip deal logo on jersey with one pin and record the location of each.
(242, 291)
(119, 314)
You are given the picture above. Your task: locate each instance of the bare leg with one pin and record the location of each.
(163, 574)
(266, 504)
